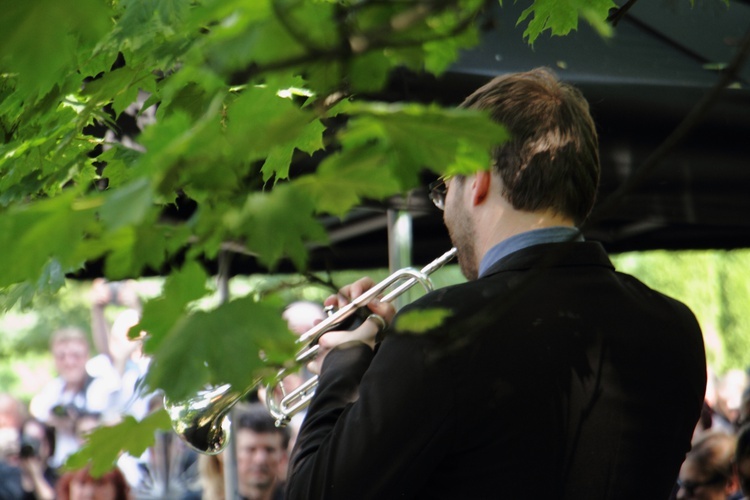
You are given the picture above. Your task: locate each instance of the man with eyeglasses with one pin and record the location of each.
(546, 375)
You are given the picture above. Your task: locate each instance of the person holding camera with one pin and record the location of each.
(24, 473)
(73, 392)
(120, 357)
(37, 444)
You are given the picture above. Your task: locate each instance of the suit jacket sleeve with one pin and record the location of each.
(382, 444)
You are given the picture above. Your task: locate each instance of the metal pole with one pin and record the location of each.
(400, 246)
(230, 452)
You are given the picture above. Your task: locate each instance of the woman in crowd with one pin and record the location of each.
(81, 485)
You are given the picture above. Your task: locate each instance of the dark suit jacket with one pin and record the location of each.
(555, 377)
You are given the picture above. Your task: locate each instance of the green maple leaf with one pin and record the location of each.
(133, 249)
(23, 294)
(221, 346)
(128, 204)
(279, 224)
(182, 287)
(31, 235)
(560, 17)
(260, 119)
(104, 445)
(309, 140)
(420, 137)
(344, 178)
(42, 38)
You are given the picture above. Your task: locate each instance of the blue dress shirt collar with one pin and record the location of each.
(555, 234)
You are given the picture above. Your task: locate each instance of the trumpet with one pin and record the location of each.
(203, 421)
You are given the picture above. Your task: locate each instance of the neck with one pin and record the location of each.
(512, 222)
(256, 492)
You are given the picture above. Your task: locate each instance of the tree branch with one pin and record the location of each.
(368, 41)
(616, 16)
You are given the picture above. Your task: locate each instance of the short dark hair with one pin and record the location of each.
(552, 158)
(256, 418)
(713, 452)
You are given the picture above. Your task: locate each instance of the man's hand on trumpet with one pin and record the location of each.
(381, 317)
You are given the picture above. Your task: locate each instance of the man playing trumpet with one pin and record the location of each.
(553, 375)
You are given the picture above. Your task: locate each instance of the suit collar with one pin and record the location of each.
(567, 254)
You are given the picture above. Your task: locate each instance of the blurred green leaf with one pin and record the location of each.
(31, 235)
(344, 178)
(221, 346)
(421, 137)
(127, 205)
(265, 214)
(41, 39)
(104, 445)
(160, 314)
(421, 321)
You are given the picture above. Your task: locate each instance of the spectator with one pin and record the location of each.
(120, 357)
(302, 315)
(261, 454)
(12, 411)
(10, 482)
(744, 411)
(705, 422)
(168, 468)
(37, 445)
(71, 393)
(22, 470)
(729, 390)
(210, 479)
(707, 472)
(81, 485)
(742, 460)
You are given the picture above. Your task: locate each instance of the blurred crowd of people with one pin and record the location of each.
(97, 386)
(718, 465)
(91, 388)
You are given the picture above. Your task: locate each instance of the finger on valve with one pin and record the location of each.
(349, 292)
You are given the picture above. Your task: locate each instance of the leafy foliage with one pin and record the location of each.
(226, 96)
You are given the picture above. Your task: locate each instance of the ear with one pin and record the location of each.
(480, 188)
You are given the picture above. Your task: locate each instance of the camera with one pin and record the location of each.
(68, 410)
(29, 447)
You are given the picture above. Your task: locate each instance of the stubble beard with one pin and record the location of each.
(463, 236)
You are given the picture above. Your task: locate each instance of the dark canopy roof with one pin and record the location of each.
(641, 85)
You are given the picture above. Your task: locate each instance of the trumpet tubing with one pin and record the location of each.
(290, 404)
